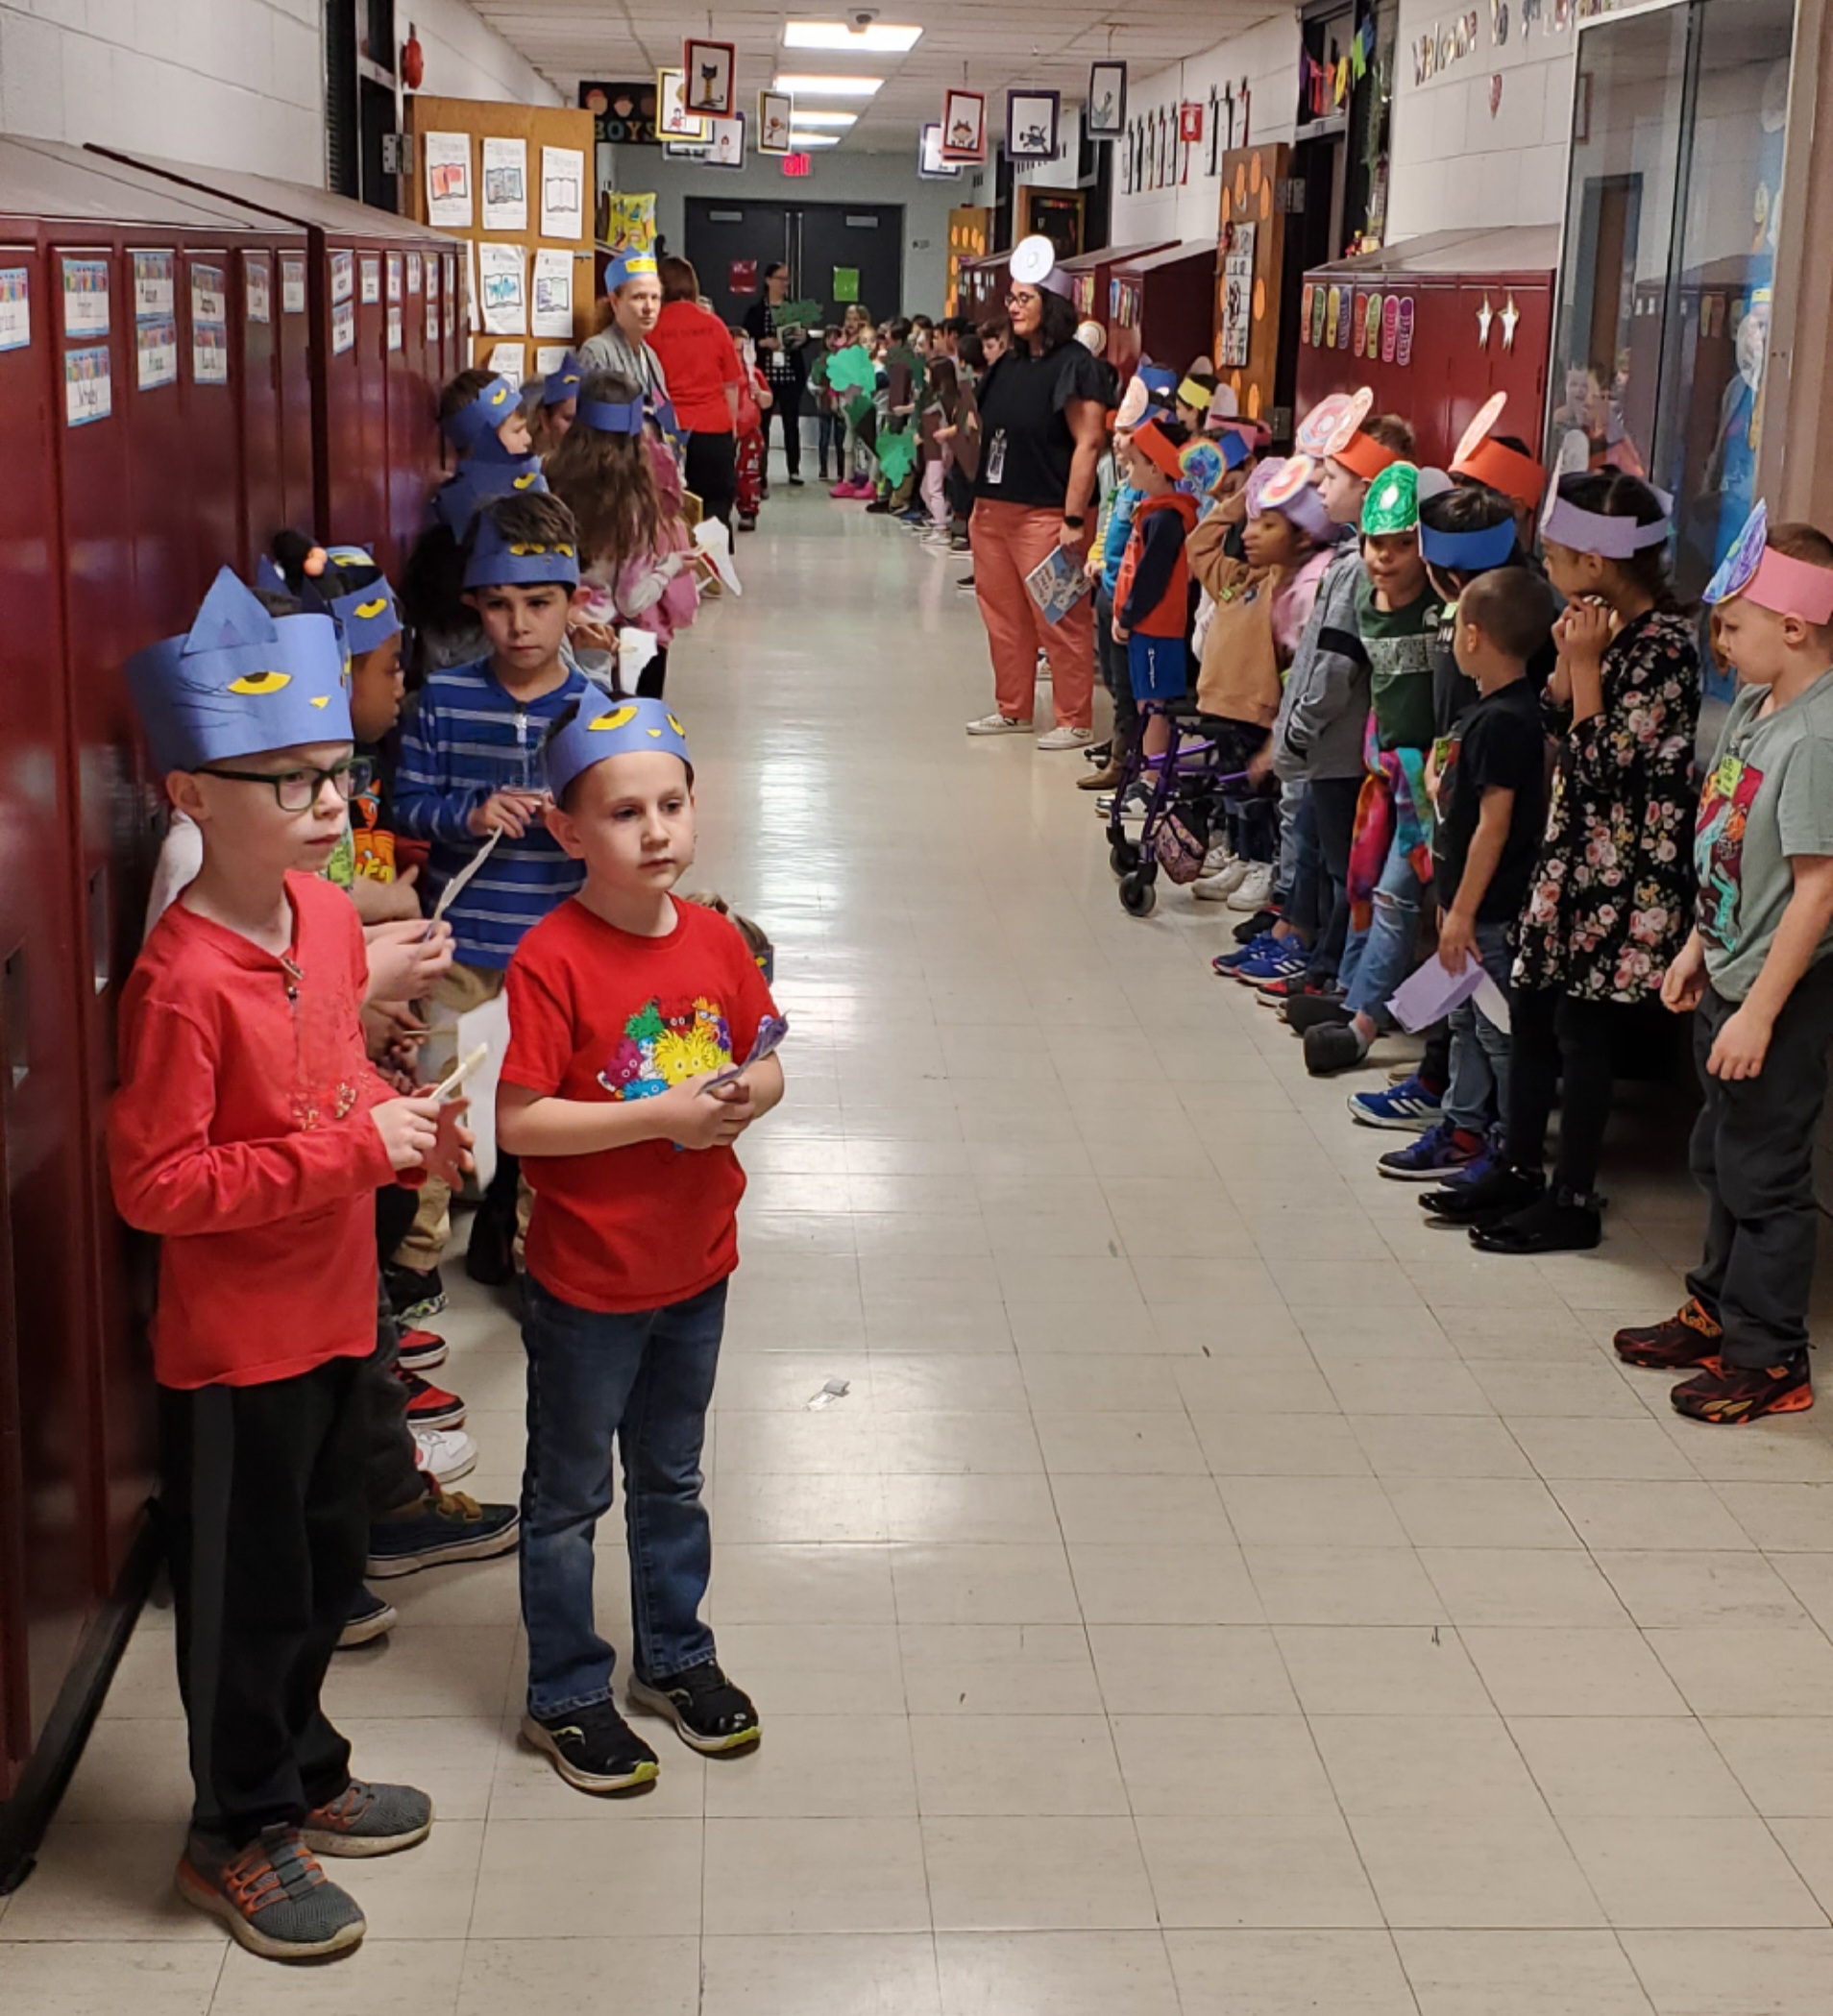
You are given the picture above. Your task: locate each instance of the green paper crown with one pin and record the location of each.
(1392, 503)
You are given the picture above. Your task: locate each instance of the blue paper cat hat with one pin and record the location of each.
(603, 727)
(496, 561)
(472, 429)
(473, 484)
(240, 682)
(627, 266)
(612, 416)
(366, 617)
(563, 384)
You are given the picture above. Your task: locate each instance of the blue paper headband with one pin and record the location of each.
(496, 562)
(627, 266)
(474, 426)
(239, 682)
(1158, 381)
(603, 728)
(1468, 553)
(474, 484)
(611, 418)
(563, 384)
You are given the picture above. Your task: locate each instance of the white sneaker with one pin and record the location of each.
(1222, 885)
(1254, 891)
(1067, 738)
(447, 1454)
(1217, 859)
(996, 723)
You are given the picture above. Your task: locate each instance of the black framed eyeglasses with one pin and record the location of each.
(296, 791)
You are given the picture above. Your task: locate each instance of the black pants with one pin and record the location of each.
(266, 1529)
(1333, 809)
(1116, 675)
(393, 1463)
(711, 472)
(958, 486)
(649, 683)
(1561, 1048)
(789, 410)
(1752, 1154)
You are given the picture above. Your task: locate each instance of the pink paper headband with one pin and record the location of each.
(1566, 524)
(1754, 569)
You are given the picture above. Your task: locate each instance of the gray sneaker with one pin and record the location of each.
(369, 1820)
(272, 1895)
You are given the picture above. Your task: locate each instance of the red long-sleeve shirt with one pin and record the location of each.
(697, 354)
(241, 1133)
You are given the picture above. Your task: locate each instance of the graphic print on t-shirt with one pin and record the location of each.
(1718, 847)
(665, 1043)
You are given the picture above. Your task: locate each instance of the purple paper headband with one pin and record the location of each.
(1570, 524)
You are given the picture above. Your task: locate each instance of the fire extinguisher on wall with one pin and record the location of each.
(413, 61)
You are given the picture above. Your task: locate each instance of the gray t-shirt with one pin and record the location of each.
(1768, 797)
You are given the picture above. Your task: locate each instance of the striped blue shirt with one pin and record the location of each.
(465, 739)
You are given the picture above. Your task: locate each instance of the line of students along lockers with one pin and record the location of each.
(190, 359)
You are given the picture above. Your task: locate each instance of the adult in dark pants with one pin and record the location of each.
(704, 376)
(783, 352)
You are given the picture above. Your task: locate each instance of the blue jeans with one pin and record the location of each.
(1478, 1089)
(1301, 862)
(831, 436)
(646, 1378)
(1377, 960)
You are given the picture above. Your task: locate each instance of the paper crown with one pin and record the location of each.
(1756, 571)
(604, 727)
(1469, 553)
(1489, 462)
(562, 385)
(1236, 442)
(239, 682)
(1289, 487)
(1392, 503)
(473, 484)
(1092, 337)
(1152, 443)
(1203, 465)
(366, 617)
(1034, 264)
(611, 417)
(1138, 400)
(1315, 429)
(475, 425)
(1159, 380)
(1192, 392)
(627, 266)
(499, 562)
(1570, 524)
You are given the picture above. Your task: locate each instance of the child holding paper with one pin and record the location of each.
(1756, 972)
(627, 1010)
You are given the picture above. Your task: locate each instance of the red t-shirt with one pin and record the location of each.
(241, 1133)
(597, 1014)
(699, 362)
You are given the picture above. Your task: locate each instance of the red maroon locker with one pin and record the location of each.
(1161, 305)
(415, 376)
(293, 357)
(1089, 273)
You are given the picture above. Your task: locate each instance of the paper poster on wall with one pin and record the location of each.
(209, 353)
(845, 283)
(1347, 315)
(552, 314)
(343, 276)
(432, 320)
(1237, 298)
(1403, 335)
(155, 352)
(472, 321)
(502, 289)
(87, 392)
(86, 298)
(258, 285)
(413, 273)
(432, 276)
(550, 356)
(210, 297)
(16, 309)
(154, 291)
(562, 192)
(393, 326)
(1390, 322)
(343, 328)
(369, 288)
(505, 184)
(292, 286)
(505, 361)
(393, 276)
(448, 179)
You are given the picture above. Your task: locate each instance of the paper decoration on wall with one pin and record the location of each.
(964, 125)
(1333, 316)
(1499, 21)
(1372, 327)
(394, 278)
(551, 311)
(85, 296)
(1485, 315)
(1390, 322)
(16, 309)
(447, 158)
(210, 326)
(1441, 46)
(155, 352)
(292, 286)
(505, 361)
(711, 87)
(1305, 311)
(629, 222)
(501, 285)
(1030, 123)
(1510, 316)
(562, 192)
(1237, 299)
(1404, 334)
(1105, 117)
(343, 328)
(88, 391)
(368, 279)
(775, 115)
(846, 290)
(1320, 308)
(505, 184)
(395, 334)
(1495, 93)
(725, 142)
(622, 114)
(673, 121)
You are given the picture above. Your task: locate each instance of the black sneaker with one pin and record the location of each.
(369, 1618)
(442, 1527)
(421, 1351)
(1497, 1193)
(965, 583)
(593, 1748)
(412, 1295)
(1559, 1220)
(1331, 1047)
(1257, 926)
(709, 1713)
(1304, 1011)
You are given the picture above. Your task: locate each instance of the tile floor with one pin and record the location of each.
(1215, 1594)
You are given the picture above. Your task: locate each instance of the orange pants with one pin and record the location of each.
(1009, 540)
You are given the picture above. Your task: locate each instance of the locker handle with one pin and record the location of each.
(100, 936)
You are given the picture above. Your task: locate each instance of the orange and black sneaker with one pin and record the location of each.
(1688, 1337)
(1726, 1396)
(272, 1895)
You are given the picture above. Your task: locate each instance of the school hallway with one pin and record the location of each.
(1200, 1587)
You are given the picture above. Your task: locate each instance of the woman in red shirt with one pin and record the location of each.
(704, 374)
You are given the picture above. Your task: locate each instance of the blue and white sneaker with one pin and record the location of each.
(1228, 963)
(1436, 1153)
(1285, 959)
(1409, 1106)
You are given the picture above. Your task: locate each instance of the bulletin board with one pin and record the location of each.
(489, 141)
(1250, 275)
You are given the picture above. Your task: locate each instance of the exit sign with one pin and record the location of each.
(796, 164)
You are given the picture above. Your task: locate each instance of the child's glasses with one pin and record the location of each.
(296, 791)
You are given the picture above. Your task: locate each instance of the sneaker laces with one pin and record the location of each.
(276, 1867)
(1695, 1317)
(455, 1505)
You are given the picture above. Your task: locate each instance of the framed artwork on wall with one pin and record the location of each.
(712, 78)
(1031, 124)
(964, 126)
(775, 115)
(673, 119)
(1107, 113)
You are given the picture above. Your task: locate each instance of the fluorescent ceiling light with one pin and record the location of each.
(800, 141)
(812, 117)
(828, 87)
(876, 36)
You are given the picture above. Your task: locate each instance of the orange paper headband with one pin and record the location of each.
(1506, 469)
(1362, 455)
(1151, 443)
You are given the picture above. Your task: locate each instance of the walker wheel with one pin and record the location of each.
(1123, 856)
(1139, 893)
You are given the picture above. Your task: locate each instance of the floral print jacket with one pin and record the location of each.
(1611, 900)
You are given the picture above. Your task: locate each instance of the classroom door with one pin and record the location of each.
(856, 248)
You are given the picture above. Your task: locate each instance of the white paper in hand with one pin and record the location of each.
(1430, 994)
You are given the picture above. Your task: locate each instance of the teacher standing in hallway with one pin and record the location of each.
(1041, 431)
(782, 350)
(704, 377)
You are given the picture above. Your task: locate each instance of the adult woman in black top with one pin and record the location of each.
(783, 354)
(1041, 431)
